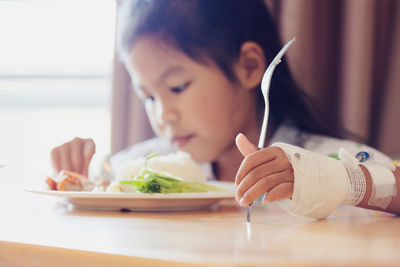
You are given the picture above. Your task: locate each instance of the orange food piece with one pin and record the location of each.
(70, 181)
(51, 183)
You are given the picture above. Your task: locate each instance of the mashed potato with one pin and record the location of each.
(177, 164)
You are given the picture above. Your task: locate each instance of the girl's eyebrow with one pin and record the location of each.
(169, 71)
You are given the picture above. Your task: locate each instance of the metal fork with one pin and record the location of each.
(265, 84)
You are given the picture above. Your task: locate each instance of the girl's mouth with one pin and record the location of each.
(180, 141)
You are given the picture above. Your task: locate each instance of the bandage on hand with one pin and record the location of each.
(320, 183)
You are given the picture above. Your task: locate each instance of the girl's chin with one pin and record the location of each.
(199, 152)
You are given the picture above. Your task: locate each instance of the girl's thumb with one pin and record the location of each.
(244, 145)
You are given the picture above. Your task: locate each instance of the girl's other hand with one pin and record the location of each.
(262, 171)
(73, 156)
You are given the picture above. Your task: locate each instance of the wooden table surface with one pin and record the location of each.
(39, 230)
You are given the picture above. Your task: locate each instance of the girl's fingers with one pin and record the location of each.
(55, 160)
(89, 149)
(255, 159)
(281, 191)
(264, 185)
(76, 155)
(75, 175)
(244, 145)
(65, 159)
(73, 156)
(261, 171)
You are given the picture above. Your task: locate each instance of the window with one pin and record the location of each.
(55, 65)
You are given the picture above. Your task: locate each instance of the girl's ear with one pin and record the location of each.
(251, 65)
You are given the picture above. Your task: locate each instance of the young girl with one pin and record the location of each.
(197, 65)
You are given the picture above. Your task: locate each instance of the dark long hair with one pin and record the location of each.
(216, 29)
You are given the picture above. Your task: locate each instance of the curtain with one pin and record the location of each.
(346, 56)
(129, 123)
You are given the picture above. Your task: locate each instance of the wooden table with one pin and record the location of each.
(40, 231)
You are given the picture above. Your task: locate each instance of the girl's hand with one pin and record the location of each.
(73, 156)
(262, 171)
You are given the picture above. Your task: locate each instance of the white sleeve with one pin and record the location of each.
(330, 146)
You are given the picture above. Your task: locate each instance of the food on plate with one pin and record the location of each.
(149, 181)
(71, 181)
(171, 173)
(178, 164)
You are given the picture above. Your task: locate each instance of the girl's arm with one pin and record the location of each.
(269, 171)
(394, 205)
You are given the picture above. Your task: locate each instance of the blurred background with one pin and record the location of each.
(59, 77)
(55, 80)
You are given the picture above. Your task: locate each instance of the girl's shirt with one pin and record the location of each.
(286, 133)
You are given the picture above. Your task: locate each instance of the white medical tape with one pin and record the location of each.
(356, 180)
(320, 183)
(383, 185)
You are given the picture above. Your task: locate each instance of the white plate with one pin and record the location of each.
(142, 202)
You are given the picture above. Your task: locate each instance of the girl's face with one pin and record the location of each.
(192, 105)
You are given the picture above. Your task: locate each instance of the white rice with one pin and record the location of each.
(177, 164)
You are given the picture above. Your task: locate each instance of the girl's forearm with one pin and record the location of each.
(394, 206)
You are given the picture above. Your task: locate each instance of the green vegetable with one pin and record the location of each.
(154, 182)
(334, 156)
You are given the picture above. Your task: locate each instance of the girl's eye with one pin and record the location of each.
(179, 89)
